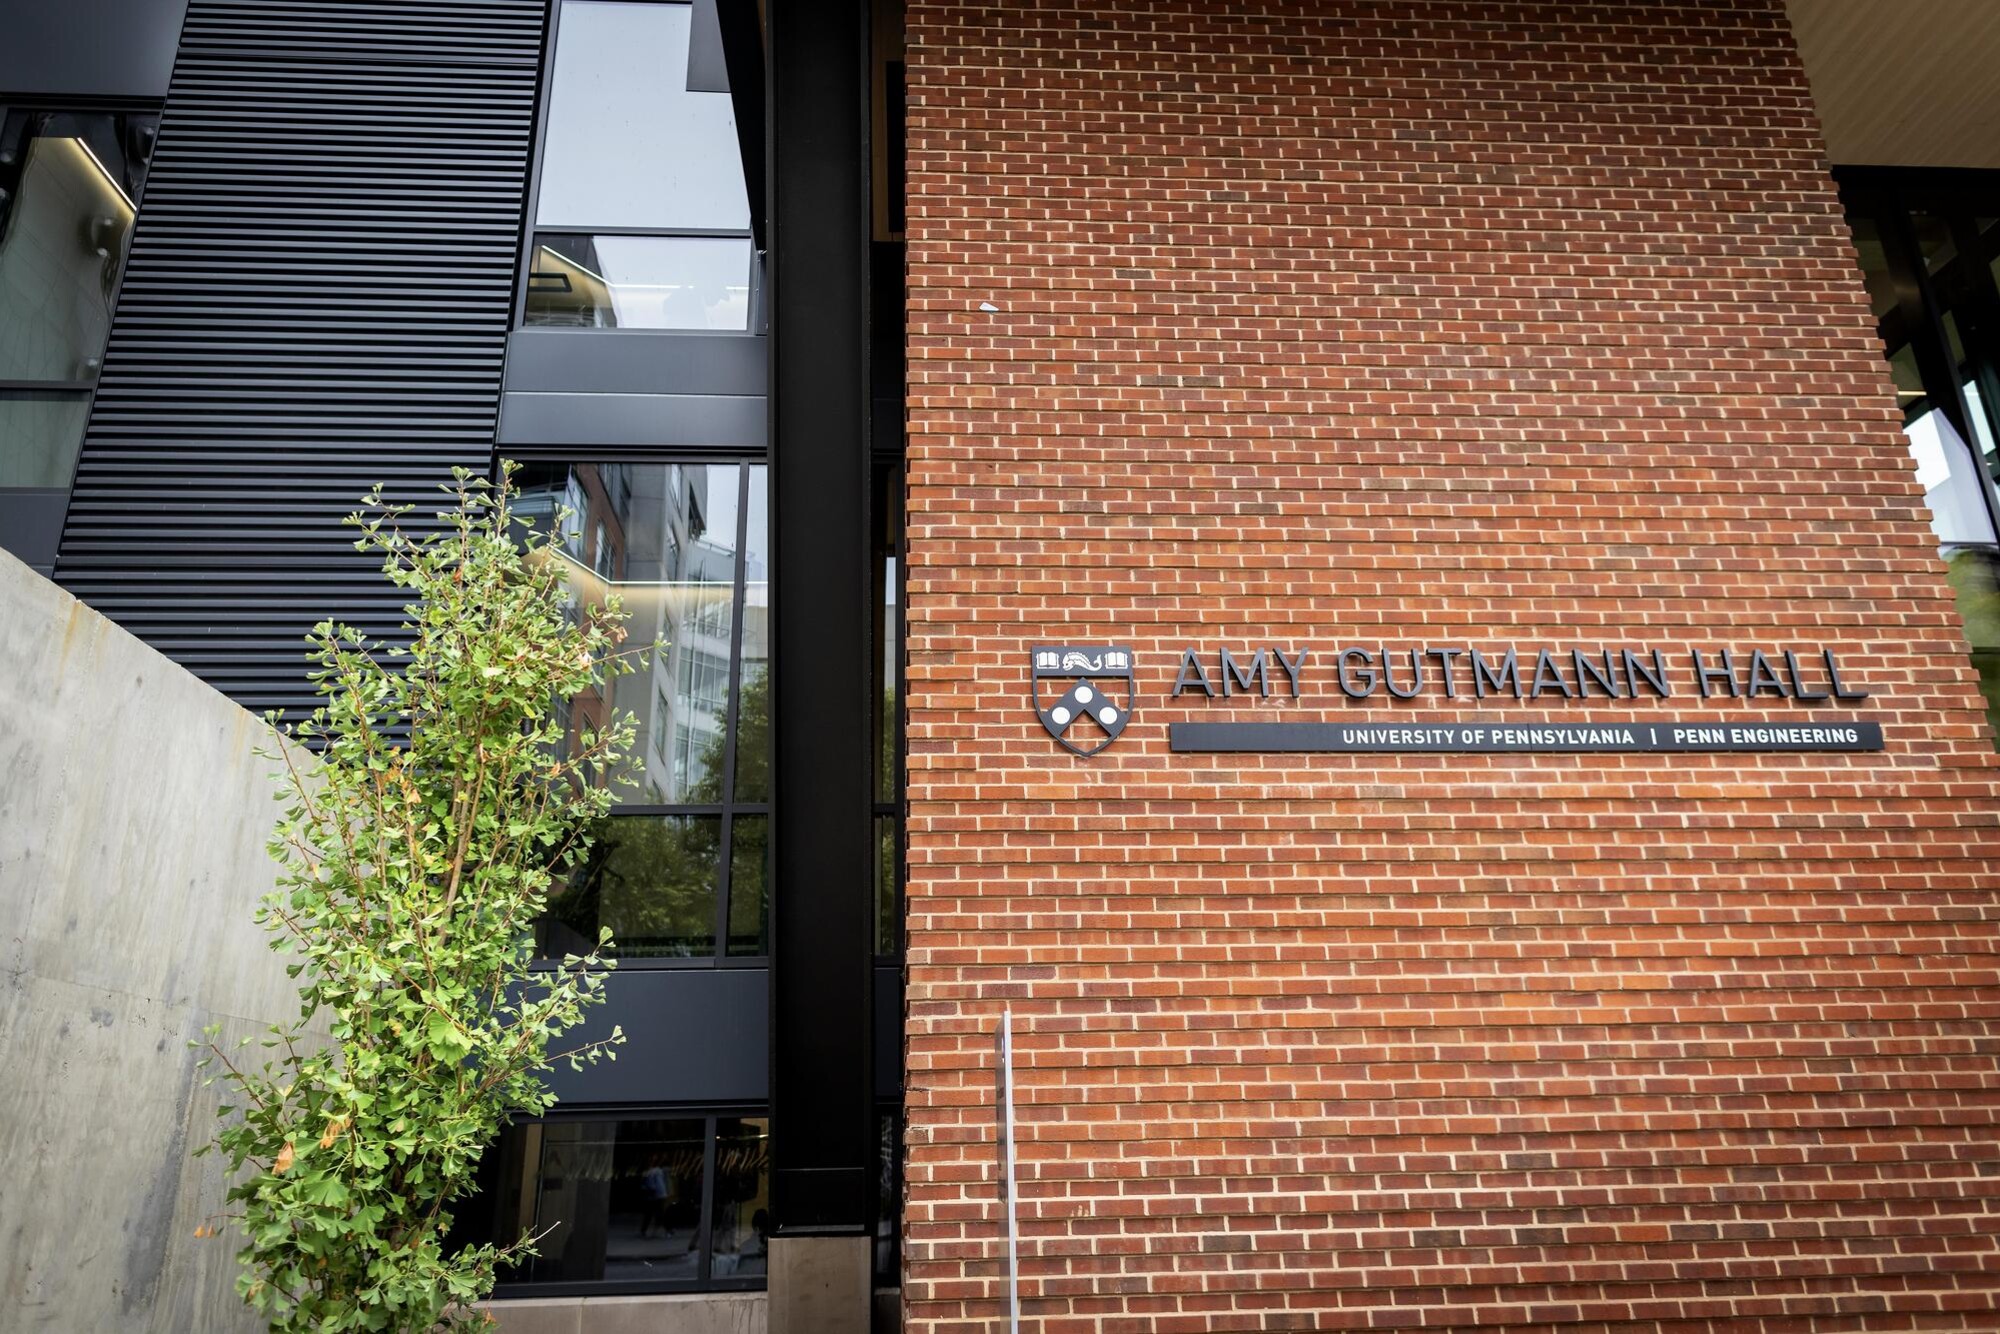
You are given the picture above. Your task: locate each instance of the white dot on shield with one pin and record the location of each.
(1107, 715)
(1060, 714)
(1083, 695)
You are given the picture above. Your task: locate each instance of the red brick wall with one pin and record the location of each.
(1424, 323)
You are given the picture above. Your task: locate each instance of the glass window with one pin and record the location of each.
(40, 431)
(1949, 472)
(69, 186)
(887, 699)
(679, 870)
(741, 1218)
(750, 886)
(1931, 279)
(753, 716)
(888, 874)
(889, 1199)
(639, 282)
(651, 879)
(627, 145)
(642, 220)
(612, 1200)
(667, 1202)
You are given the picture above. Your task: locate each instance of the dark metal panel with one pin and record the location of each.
(692, 1035)
(317, 300)
(708, 69)
(889, 1032)
(31, 524)
(741, 23)
(822, 1079)
(631, 361)
(61, 49)
(657, 420)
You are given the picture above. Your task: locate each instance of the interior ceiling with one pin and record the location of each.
(1912, 83)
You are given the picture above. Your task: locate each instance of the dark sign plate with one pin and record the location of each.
(1510, 738)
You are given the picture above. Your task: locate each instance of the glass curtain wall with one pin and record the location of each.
(640, 234)
(1929, 248)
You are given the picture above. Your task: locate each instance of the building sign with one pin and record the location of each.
(1085, 695)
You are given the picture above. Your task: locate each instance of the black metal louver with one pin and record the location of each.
(317, 300)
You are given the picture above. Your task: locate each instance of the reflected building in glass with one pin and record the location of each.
(679, 869)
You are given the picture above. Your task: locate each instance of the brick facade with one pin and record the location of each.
(1405, 324)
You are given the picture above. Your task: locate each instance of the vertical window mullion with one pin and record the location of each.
(705, 1269)
(739, 613)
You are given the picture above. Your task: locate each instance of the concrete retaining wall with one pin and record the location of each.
(133, 817)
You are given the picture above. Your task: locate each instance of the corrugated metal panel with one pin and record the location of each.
(317, 299)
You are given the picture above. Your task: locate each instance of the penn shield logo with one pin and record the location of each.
(1083, 695)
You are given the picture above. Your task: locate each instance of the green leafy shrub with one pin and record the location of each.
(414, 856)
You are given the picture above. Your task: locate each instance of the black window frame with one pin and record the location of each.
(754, 323)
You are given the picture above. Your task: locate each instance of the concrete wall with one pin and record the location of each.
(133, 816)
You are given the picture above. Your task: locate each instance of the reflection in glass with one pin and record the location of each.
(619, 1200)
(741, 1221)
(888, 654)
(627, 145)
(888, 866)
(1949, 475)
(663, 1200)
(683, 547)
(753, 726)
(651, 878)
(1975, 410)
(640, 282)
(64, 228)
(68, 183)
(670, 540)
(1975, 584)
(750, 886)
(40, 434)
(889, 1198)
(888, 663)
